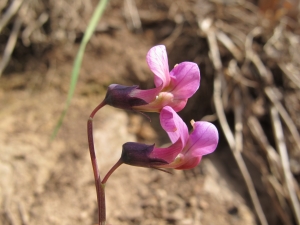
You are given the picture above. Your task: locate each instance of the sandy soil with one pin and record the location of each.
(45, 182)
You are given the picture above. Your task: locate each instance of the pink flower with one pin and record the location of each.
(171, 88)
(186, 150)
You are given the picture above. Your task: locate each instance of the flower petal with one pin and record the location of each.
(162, 99)
(173, 125)
(157, 60)
(185, 80)
(147, 95)
(203, 139)
(167, 154)
(178, 104)
(189, 163)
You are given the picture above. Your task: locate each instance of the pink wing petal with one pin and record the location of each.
(173, 125)
(178, 104)
(203, 139)
(147, 95)
(156, 105)
(168, 154)
(185, 80)
(157, 60)
(189, 163)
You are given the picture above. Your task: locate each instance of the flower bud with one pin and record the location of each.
(119, 96)
(137, 154)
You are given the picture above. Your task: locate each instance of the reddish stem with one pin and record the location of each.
(119, 163)
(99, 186)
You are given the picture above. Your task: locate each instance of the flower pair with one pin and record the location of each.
(170, 95)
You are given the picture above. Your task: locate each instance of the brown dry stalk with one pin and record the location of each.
(271, 93)
(291, 72)
(10, 45)
(255, 59)
(12, 10)
(132, 16)
(281, 146)
(261, 138)
(279, 203)
(228, 43)
(235, 143)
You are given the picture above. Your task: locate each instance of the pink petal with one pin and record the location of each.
(185, 80)
(173, 125)
(203, 139)
(147, 95)
(168, 154)
(157, 60)
(178, 104)
(163, 99)
(189, 163)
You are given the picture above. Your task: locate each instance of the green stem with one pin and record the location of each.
(78, 60)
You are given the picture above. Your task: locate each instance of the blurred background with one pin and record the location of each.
(249, 56)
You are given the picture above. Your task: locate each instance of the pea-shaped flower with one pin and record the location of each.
(172, 88)
(186, 150)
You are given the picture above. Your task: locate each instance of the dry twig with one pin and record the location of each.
(277, 200)
(272, 155)
(281, 146)
(33, 26)
(12, 10)
(226, 41)
(234, 143)
(271, 93)
(291, 72)
(10, 45)
(132, 16)
(253, 56)
(236, 74)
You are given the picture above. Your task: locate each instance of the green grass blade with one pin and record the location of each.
(78, 60)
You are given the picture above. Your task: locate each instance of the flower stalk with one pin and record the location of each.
(99, 188)
(119, 163)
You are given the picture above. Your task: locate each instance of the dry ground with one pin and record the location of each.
(45, 182)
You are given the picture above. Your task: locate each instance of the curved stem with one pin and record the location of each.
(99, 187)
(119, 163)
